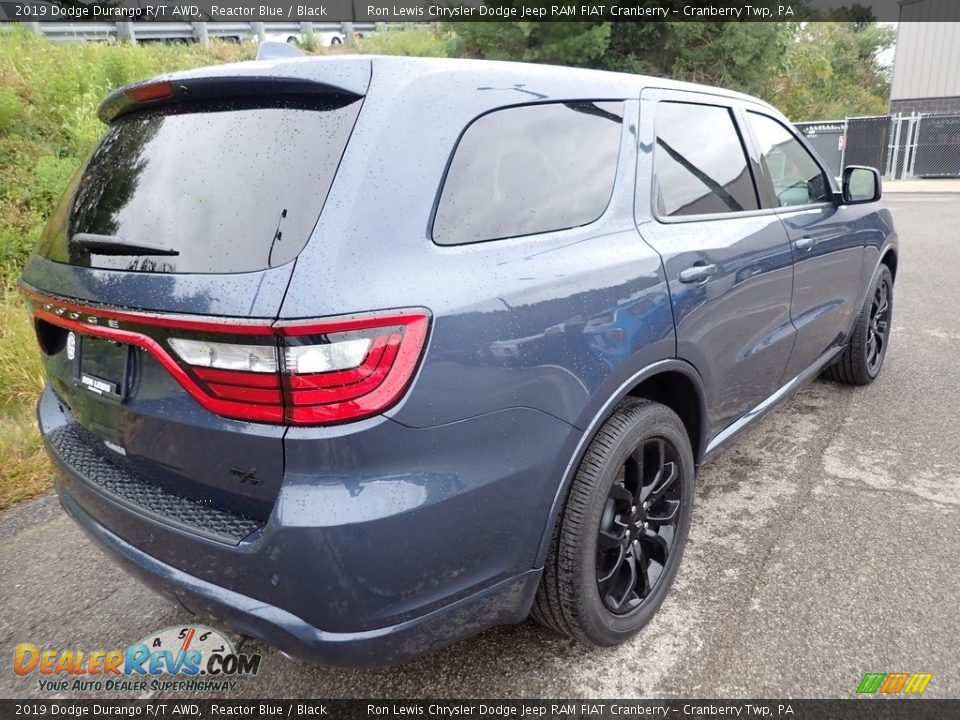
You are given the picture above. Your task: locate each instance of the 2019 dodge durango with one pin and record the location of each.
(363, 355)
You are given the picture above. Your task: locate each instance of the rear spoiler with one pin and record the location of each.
(315, 77)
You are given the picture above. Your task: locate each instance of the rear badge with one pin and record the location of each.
(116, 448)
(71, 346)
(97, 385)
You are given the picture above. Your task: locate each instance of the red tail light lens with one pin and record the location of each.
(147, 93)
(295, 373)
(314, 373)
(349, 371)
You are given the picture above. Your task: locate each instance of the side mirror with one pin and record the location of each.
(860, 185)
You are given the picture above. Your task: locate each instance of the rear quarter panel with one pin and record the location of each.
(549, 322)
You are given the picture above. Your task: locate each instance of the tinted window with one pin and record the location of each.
(797, 178)
(228, 189)
(699, 163)
(530, 169)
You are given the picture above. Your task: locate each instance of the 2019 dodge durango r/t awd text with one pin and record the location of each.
(360, 356)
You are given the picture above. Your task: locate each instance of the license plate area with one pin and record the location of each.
(104, 366)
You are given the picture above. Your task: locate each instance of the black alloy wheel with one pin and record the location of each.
(878, 327)
(618, 542)
(638, 525)
(862, 359)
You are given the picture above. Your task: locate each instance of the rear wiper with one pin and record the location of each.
(113, 245)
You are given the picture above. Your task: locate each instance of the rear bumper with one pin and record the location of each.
(506, 602)
(431, 538)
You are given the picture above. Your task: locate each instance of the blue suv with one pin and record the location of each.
(363, 355)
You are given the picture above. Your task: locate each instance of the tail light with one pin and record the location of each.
(150, 92)
(311, 373)
(126, 98)
(295, 373)
(348, 370)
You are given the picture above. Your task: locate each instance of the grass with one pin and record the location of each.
(26, 470)
(415, 42)
(49, 94)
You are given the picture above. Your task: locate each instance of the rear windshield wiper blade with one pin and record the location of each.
(113, 245)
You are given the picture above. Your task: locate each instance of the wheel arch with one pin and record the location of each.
(674, 383)
(889, 258)
(679, 392)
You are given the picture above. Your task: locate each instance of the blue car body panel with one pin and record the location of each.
(382, 538)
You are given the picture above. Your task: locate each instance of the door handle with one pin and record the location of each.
(804, 244)
(697, 273)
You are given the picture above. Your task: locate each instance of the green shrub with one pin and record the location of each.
(26, 470)
(49, 94)
(416, 42)
(11, 108)
(309, 42)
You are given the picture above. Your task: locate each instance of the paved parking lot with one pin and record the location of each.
(825, 544)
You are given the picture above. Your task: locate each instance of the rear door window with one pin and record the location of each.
(222, 188)
(797, 178)
(700, 165)
(530, 169)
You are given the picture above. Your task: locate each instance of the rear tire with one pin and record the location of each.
(861, 361)
(619, 540)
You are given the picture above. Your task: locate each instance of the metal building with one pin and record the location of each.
(926, 67)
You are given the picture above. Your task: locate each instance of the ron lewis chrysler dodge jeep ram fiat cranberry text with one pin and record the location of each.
(363, 355)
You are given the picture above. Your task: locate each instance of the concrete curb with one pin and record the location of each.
(932, 185)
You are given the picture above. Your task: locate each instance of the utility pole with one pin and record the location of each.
(347, 27)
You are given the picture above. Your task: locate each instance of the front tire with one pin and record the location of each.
(862, 359)
(618, 543)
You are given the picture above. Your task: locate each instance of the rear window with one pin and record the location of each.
(530, 169)
(221, 189)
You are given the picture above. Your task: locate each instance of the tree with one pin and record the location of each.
(742, 56)
(566, 43)
(831, 71)
(809, 70)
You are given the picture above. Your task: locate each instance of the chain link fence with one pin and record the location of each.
(936, 146)
(828, 139)
(868, 142)
(898, 146)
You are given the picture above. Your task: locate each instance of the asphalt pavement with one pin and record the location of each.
(825, 544)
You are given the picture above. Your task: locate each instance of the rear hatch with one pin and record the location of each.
(158, 279)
